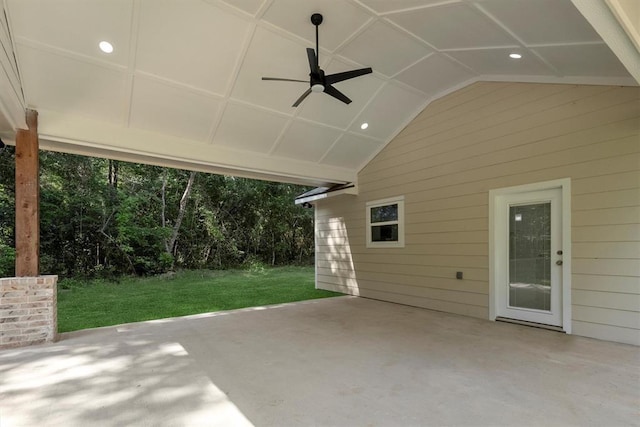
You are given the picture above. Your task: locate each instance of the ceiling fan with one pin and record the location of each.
(318, 81)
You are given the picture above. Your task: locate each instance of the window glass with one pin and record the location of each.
(384, 213)
(384, 233)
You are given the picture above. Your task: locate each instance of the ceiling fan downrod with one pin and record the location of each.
(316, 19)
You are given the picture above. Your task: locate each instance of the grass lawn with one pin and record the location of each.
(98, 303)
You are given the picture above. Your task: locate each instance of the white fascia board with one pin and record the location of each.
(603, 20)
(81, 135)
(11, 106)
(627, 12)
(11, 101)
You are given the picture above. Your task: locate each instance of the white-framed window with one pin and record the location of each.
(385, 223)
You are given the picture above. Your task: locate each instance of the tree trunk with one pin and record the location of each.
(273, 249)
(113, 173)
(164, 208)
(183, 207)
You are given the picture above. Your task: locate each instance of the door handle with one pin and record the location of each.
(559, 262)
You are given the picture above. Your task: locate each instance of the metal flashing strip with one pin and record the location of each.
(532, 324)
(325, 192)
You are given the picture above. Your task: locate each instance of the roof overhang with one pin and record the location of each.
(141, 107)
(306, 199)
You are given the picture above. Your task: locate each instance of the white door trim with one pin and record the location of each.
(565, 185)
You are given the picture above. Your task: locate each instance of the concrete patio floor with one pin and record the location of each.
(342, 361)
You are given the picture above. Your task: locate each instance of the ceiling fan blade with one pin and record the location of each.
(313, 61)
(338, 77)
(302, 97)
(332, 91)
(278, 79)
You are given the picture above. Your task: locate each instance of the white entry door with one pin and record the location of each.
(529, 256)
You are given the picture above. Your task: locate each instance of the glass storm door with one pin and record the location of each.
(531, 287)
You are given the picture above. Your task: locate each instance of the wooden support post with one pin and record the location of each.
(27, 199)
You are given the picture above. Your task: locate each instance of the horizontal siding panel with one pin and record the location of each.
(423, 202)
(447, 203)
(338, 243)
(353, 216)
(491, 96)
(446, 306)
(336, 288)
(447, 226)
(603, 166)
(477, 142)
(456, 100)
(532, 115)
(414, 216)
(606, 233)
(606, 250)
(605, 316)
(449, 249)
(327, 216)
(481, 115)
(606, 332)
(592, 282)
(607, 216)
(342, 227)
(628, 302)
(353, 210)
(543, 172)
(608, 267)
(599, 184)
(482, 179)
(408, 259)
(467, 298)
(449, 237)
(454, 106)
(333, 249)
(412, 300)
(507, 150)
(609, 199)
(345, 269)
(412, 249)
(338, 280)
(341, 223)
(340, 234)
(451, 284)
(404, 260)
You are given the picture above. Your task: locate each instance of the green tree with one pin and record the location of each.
(7, 211)
(104, 217)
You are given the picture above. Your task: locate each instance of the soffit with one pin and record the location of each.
(183, 82)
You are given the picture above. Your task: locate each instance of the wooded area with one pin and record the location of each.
(103, 218)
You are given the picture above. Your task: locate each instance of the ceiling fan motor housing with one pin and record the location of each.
(317, 81)
(316, 19)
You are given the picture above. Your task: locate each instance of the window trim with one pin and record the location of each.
(399, 200)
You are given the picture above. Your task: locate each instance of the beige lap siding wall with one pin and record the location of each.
(488, 136)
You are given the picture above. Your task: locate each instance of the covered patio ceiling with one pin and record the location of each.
(183, 85)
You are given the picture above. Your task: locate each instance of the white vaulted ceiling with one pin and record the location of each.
(183, 85)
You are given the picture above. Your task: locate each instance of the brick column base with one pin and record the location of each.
(28, 311)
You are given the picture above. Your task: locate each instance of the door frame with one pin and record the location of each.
(497, 233)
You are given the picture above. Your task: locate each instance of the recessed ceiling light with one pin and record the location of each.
(364, 126)
(106, 47)
(515, 56)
